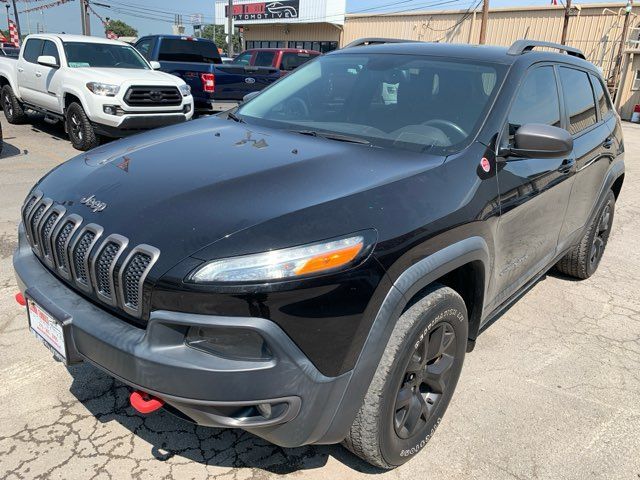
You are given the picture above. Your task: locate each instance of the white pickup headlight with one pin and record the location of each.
(185, 90)
(103, 89)
(282, 264)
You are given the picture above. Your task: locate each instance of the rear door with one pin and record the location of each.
(592, 140)
(27, 65)
(534, 192)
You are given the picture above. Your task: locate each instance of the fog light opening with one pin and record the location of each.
(265, 410)
(230, 343)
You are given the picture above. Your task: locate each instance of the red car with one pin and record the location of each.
(284, 59)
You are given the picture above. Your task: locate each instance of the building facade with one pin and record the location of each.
(309, 24)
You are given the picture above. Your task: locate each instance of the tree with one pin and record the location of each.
(216, 33)
(120, 28)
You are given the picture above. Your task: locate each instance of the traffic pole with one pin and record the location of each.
(565, 24)
(485, 20)
(230, 27)
(15, 14)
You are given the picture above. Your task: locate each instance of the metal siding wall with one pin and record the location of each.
(309, 31)
(587, 29)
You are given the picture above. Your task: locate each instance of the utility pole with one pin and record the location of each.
(485, 20)
(623, 41)
(565, 24)
(15, 15)
(230, 27)
(84, 17)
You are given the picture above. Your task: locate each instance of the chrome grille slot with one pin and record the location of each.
(80, 251)
(103, 266)
(132, 275)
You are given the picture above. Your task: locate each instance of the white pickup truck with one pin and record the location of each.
(98, 87)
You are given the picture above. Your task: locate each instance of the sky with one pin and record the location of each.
(156, 16)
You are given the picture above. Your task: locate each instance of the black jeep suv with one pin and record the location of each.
(313, 266)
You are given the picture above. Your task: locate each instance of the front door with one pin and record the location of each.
(47, 80)
(534, 192)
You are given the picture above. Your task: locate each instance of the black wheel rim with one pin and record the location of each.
(425, 381)
(600, 238)
(76, 127)
(8, 107)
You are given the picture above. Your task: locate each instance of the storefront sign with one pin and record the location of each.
(276, 10)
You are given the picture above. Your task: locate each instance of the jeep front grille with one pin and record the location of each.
(153, 97)
(86, 260)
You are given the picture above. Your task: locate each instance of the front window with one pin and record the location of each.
(103, 55)
(409, 102)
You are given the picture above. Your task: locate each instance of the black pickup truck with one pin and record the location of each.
(215, 86)
(313, 266)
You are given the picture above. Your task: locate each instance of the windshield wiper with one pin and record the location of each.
(234, 117)
(333, 136)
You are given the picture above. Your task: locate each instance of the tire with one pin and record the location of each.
(81, 133)
(583, 259)
(382, 433)
(13, 111)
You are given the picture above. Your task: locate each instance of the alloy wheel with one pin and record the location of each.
(425, 381)
(600, 238)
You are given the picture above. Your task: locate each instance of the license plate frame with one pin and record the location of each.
(48, 329)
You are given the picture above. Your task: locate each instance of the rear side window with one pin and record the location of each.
(291, 61)
(51, 49)
(243, 59)
(581, 107)
(536, 101)
(264, 59)
(32, 50)
(601, 97)
(179, 50)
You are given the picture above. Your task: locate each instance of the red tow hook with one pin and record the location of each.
(20, 299)
(144, 403)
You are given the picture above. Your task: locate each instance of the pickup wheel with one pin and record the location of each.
(81, 132)
(414, 381)
(583, 259)
(13, 111)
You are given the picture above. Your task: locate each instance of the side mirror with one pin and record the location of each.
(536, 140)
(249, 96)
(48, 61)
(155, 65)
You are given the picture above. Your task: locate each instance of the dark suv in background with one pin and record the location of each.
(313, 266)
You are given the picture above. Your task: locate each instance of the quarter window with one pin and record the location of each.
(32, 50)
(601, 97)
(536, 102)
(581, 107)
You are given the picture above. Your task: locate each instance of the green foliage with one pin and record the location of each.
(120, 28)
(216, 33)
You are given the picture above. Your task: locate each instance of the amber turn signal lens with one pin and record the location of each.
(330, 260)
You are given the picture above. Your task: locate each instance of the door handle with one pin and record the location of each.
(567, 165)
(608, 142)
(38, 74)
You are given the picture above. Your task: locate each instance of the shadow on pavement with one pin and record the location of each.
(108, 400)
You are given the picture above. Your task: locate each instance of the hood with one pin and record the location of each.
(118, 76)
(182, 188)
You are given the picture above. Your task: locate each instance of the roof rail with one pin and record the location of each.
(376, 41)
(522, 46)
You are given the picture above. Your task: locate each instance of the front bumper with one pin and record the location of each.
(208, 389)
(131, 124)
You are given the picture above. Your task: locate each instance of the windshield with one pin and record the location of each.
(410, 102)
(103, 55)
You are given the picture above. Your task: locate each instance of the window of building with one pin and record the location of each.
(578, 94)
(636, 81)
(32, 50)
(601, 97)
(536, 102)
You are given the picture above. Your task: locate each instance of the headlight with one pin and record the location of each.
(282, 264)
(103, 89)
(185, 90)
